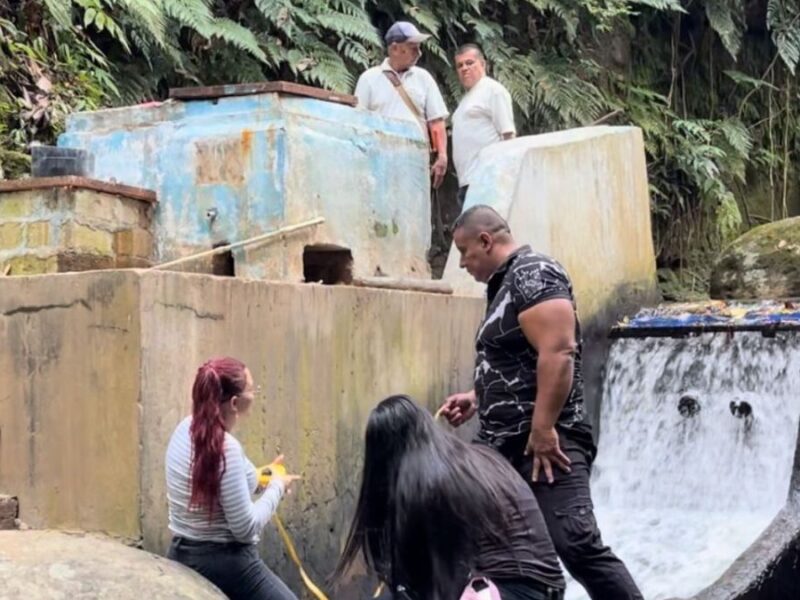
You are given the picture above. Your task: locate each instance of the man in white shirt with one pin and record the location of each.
(484, 115)
(399, 89)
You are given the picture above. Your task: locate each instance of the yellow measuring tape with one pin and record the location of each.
(266, 474)
(263, 480)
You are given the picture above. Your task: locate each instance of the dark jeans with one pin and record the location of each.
(568, 511)
(234, 568)
(462, 195)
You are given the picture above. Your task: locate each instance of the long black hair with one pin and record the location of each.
(427, 500)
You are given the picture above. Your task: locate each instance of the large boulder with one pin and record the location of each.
(51, 564)
(763, 263)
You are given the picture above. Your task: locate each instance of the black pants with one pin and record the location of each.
(568, 511)
(234, 568)
(462, 195)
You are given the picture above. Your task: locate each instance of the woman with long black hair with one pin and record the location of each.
(440, 519)
(210, 482)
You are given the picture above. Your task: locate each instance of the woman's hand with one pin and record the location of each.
(279, 473)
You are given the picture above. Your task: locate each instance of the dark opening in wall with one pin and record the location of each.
(328, 264)
(222, 263)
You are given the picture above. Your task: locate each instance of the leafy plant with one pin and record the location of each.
(710, 82)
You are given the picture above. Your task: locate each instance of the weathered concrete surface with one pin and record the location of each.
(261, 162)
(762, 263)
(324, 357)
(66, 227)
(101, 366)
(50, 564)
(582, 197)
(69, 400)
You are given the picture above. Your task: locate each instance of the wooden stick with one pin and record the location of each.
(264, 237)
(413, 285)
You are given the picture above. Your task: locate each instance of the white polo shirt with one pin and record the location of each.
(376, 93)
(482, 117)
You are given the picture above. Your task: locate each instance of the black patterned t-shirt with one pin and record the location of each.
(505, 365)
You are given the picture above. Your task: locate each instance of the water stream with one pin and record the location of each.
(697, 443)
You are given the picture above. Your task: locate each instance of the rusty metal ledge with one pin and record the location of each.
(39, 183)
(677, 331)
(262, 87)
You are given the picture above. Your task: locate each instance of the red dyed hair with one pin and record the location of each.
(217, 381)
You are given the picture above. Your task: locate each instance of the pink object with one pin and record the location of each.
(480, 588)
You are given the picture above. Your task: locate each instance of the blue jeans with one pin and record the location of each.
(234, 568)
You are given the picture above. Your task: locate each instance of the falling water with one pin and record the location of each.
(679, 494)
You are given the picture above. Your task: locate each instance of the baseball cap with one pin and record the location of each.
(403, 31)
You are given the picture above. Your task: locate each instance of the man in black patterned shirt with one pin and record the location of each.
(529, 392)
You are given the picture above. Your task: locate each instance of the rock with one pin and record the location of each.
(9, 511)
(764, 263)
(50, 564)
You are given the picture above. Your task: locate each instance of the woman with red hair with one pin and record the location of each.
(210, 483)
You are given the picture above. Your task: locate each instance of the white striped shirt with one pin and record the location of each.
(236, 517)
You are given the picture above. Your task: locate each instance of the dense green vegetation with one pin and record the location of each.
(711, 82)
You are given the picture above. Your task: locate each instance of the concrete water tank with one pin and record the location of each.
(232, 162)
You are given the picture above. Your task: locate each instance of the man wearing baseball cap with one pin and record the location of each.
(399, 89)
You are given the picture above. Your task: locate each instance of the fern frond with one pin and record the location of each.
(278, 13)
(693, 129)
(743, 79)
(61, 11)
(318, 64)
(428, 21)
(664, 5)
(347, 25)
(149, 17)
(349, 7)
(568, 15)
(737, 135)
(194, 14)
(237, 36)
(354, 51)
(725, 17)
(783, 21)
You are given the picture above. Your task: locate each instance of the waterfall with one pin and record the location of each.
(697, 440)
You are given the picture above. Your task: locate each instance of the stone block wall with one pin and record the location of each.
(58, 224)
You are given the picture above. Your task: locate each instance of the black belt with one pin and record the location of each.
(190, 543)
(541, 589)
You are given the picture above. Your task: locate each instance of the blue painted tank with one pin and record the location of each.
(230, 168)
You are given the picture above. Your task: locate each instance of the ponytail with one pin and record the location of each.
(217, 381)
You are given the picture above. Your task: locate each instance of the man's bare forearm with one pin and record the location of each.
(553, 384)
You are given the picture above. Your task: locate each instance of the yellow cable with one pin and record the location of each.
(296, 559)
(266, 473)
(318, 594)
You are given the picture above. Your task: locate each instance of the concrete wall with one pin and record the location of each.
(51, 225)
(101, 366)
(265, 161)
(581, 196)
(69, 400)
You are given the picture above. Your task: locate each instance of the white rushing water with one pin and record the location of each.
(678, 498)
